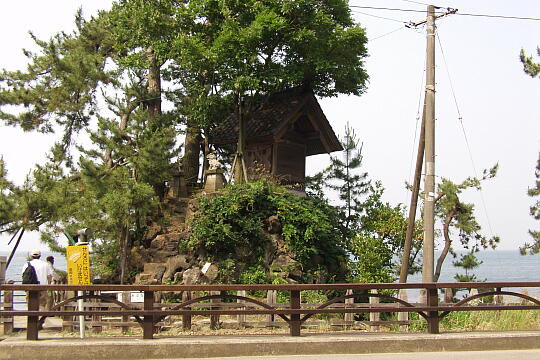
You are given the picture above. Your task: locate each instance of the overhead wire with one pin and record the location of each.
(413, 149)
(388, 33)
(460, 118)
(416, 2)
(379, 17)
(493, 16)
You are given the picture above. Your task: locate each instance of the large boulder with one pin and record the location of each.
(210, 272)
(173, 265)
(192, 276)
(152, 274)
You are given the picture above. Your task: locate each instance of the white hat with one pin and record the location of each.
(35, 253)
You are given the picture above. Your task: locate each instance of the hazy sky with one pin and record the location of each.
(496, 100)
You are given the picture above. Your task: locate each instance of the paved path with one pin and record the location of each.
(454, 355)
(372, 346)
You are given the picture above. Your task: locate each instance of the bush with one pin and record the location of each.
(232, 225)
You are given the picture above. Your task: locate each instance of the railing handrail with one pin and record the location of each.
(294, 314)
(286, 287)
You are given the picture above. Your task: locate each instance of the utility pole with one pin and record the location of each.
(429, 179)
(426, 149)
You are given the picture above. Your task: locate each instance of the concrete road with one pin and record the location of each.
(454, 355)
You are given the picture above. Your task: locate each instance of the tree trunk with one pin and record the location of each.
(190, 161)
(154, 87)
(124, 242)
(447, 243)
(205, 151)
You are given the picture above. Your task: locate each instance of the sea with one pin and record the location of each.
(497, 265)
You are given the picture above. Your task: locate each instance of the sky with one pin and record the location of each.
(486, 107)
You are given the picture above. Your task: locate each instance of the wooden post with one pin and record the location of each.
(433, 316)
(3, 265)
(8, 306)
(148, 321)
(374, 316)
(448, 295)
(241, 317)
(186, 318)
(126, 299)
(32, 326)
(67, 321)
(499, 299)
(271, 299)
(294, 323)
(96, 319)
(349, 317)
(403, 316)
(214, 319)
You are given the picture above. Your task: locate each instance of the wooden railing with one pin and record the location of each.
(293, 313)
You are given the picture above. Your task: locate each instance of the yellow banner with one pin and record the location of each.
(78, 265)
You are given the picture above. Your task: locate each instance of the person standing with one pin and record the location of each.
(43, 272)
(51, 295)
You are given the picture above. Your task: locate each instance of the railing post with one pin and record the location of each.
(271, 299)
(126, 299)
(148, 321)
(433, 316)
(8, 306)
(402, 315)
(349, 317)
(3, 265)
(499, 299)
(96, 319)
(241, 317)
(32, 326)
(374, 316)
(295, 324)
(214, 319)
(186, 318)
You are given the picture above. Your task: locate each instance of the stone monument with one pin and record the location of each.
(214, 178)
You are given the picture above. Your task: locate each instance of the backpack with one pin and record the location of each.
(29, 275)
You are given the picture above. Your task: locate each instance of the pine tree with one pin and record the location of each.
(468, 262)
(344, 177)
(456, 214)
(534, 192)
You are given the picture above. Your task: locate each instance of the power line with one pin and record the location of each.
(500, 16)
(458, 13)
(388, 33)
(416, 2)
(380, 17)
(383, 8)
(460, 118)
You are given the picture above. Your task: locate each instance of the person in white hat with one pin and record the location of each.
(43, 272)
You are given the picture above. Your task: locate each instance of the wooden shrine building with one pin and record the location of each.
(280, 133)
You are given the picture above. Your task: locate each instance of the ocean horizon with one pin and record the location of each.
(497, 265)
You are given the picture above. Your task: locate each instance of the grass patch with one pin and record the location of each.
(492, 320)
(479, 320)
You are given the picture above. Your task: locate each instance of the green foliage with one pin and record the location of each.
(6, 200)
(534, 210)
(379, 239)
(455, 214)
(468, 262)
(232, 224)
(342, 176)
(529, 66)
(104, 81)
(373, 230)
(373, 261)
